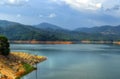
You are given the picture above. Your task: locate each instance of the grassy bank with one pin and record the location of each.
(28, 68)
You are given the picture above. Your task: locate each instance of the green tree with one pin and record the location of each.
(4, 46)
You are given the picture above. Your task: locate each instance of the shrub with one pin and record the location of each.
(4, 46)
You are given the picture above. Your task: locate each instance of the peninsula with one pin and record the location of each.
(18, 64)
(14, 65)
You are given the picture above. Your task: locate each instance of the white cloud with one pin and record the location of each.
(11, 1)
(82, 4)
(52, 15)
(91, 5)
(14, 2)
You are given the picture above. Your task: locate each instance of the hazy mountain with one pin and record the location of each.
(56, 31)
(4, 23)
(106, 30)
(17, 31)
(50, 32)
(48, 26)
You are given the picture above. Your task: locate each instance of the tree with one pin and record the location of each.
(4, 46)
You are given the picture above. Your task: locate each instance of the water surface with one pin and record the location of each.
(75, 61)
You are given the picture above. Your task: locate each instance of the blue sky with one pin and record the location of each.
(69, 14)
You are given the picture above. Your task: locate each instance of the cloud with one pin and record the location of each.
(91, 5)
(52, 15)
(14, 2)
(114, 8)
(82, 4)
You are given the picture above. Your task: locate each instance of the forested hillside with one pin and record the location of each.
(50, 32)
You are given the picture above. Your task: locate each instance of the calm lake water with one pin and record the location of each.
(75, 61)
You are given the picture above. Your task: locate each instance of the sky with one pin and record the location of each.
(68, 14)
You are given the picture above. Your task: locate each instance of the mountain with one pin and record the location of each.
(17, 31)
(55, 31)
(4, 23)
(48, 26)
(50, 32)
(105, 30)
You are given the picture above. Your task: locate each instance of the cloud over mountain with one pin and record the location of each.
(66, 13)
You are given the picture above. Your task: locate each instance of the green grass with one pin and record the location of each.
(28, 68)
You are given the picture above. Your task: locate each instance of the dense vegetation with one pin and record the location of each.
(49, 32)
(4, 46)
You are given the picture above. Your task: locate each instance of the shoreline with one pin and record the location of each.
(65, 42)
(18, 64)
(41, 42)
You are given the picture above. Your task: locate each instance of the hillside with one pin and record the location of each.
(17, 31)
(106, 30)
(48, 26)
(50, 32)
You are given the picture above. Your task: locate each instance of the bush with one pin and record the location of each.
(4, 46)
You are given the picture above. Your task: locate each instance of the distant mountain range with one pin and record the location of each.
(106, 30)
(51, 32)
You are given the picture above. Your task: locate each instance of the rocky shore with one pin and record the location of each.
(17, 64)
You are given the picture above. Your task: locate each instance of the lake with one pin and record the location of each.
(74, 61)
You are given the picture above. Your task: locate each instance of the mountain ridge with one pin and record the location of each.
(51, 32)
(106, 29)
(46, 25)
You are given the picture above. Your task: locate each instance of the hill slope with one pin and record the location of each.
(16, 31)
(50, 32)
(48, 26)
(106, 30)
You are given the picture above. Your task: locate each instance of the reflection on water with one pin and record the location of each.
(76, 61)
